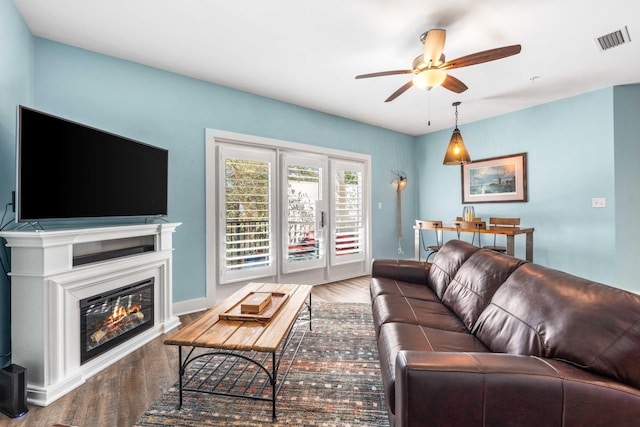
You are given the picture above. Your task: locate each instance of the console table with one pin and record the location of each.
(509, 232)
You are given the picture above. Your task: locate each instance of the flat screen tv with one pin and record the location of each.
(66, 170)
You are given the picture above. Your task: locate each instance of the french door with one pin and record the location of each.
(288, 215)
(348, 219)
(304, 212)
(247, 219)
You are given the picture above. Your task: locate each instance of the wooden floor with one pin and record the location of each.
(119, 395)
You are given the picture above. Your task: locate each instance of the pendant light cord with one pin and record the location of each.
(456, 127)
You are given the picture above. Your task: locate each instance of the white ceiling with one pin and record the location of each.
(308, 53)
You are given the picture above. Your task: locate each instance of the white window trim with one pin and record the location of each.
(212, 138)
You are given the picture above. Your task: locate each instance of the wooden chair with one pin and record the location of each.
(430, 225)
(459, 219)
(499, 223)
(476, 224)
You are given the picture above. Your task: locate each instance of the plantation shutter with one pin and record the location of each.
(247, 221)
(348, 213)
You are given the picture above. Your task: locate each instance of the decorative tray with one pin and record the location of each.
(235, 313)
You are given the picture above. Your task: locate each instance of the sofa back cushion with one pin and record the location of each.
(543, 312)
(402, 270)
(473, 286)
(446, 264)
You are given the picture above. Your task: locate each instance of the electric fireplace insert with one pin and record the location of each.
(111, 318)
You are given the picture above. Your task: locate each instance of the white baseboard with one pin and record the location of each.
(190, 306)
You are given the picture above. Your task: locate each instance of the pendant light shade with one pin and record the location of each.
(457, 153)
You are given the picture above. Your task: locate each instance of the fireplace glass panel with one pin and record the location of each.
(109, 319)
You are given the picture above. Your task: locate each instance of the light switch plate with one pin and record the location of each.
(598, 202)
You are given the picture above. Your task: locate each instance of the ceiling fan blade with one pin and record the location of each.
(384, 73)
(433, 46)
(453, 84)
(480, 57)
(400, 91)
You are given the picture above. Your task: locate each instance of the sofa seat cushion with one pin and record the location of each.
(384, 286)
(394, 337)
(396, 308)
(548, 313)
(476, 281)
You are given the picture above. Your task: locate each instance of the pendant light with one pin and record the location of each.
(457, 153)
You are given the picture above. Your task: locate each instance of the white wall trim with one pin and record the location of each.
(213, 137)
(190, 306)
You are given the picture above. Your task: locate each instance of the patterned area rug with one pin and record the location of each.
(334, 380)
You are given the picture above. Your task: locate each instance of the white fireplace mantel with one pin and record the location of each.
(48, 280)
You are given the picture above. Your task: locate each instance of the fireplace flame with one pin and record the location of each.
(119, 319)
(121, 312)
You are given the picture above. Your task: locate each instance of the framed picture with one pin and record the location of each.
(495, 180)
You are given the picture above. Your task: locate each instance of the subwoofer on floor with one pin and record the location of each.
(13, 391)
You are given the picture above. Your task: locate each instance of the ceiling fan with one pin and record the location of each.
(429, 69)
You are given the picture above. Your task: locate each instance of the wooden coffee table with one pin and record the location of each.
(234, 348)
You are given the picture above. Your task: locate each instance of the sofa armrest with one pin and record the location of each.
(402, 270)
(475, 389)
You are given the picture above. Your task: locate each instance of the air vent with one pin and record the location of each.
(613, 39)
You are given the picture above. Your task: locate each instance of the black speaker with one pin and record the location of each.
(13, 391)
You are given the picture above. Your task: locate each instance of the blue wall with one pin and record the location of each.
(627, 178)
(172, 111)
(16, 80)
(573, 156)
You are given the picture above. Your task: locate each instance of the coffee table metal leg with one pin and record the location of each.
(273, 385)
(309, 306)
(180, 375)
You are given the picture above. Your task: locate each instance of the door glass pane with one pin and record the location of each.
(303, 192)
(348, 216)
(305, 216)
(247, 214)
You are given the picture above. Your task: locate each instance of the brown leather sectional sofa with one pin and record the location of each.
(483, 339)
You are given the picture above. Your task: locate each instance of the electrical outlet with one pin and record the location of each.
(598, 202)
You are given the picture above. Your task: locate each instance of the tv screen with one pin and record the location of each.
(66, 170)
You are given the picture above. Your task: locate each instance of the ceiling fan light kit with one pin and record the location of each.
(456, 153)
(429, 78)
